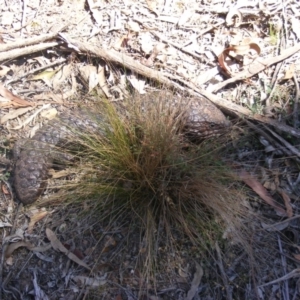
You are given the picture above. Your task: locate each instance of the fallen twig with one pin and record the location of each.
(27, 42)
(222, 271)
(129, 63)
(288, 149)
(119, 58)
(27, 50)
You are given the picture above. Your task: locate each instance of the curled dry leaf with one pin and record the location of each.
(234, 17)
(234, 58)
(14, 246)
(5, 189)
(259, 189)
(58, 246)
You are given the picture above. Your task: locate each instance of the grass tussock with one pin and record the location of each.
(140, 167)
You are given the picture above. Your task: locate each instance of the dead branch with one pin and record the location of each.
(25, 51)
(131, 64)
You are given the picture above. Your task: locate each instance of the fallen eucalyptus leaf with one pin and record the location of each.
(58, 246)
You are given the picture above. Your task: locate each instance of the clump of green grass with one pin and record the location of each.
(141, 167)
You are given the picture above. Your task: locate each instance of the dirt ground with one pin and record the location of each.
(242, 56)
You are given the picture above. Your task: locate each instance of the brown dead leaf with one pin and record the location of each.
(109, 243)
(58, 246)
(4, 189)
(77, 252)
(14, 246)
(287, 202)
(297, 256)
(195, 283)
(236, 57)
(15, 100)
(35, 218)
(258, 188)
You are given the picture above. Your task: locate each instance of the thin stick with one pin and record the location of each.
(223, 274)
(25, 51)
(131, 64)
(296, 103)
(31, 41)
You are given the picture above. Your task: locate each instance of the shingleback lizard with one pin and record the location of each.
(202, 120)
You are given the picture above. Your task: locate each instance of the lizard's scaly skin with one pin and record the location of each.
(201, 119)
